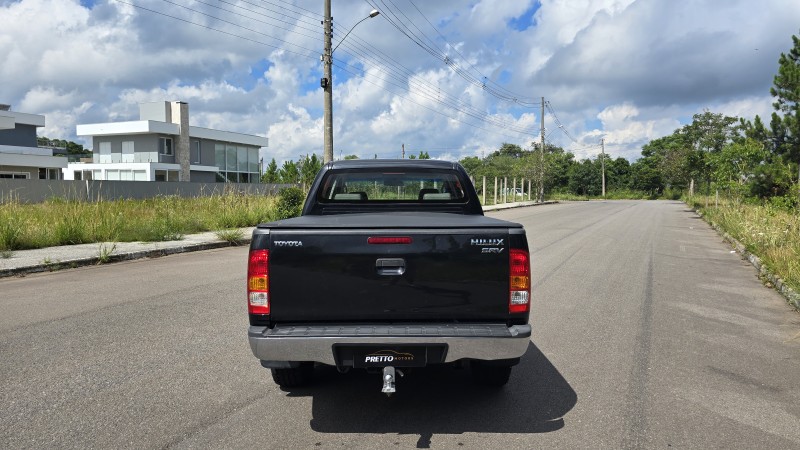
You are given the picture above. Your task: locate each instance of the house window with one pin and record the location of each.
(76, 175)
(48, 174)
(105, 152)
(15, 175)
(127, 151)
(219, 156)
(165, 146)
(167, 175)
(196, 152)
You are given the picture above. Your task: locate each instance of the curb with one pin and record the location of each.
(118, 257)
(763, 272)
(503, 206)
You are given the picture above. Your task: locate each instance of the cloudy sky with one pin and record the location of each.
(453, 78)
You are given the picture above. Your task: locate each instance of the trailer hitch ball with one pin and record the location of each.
(389, 378)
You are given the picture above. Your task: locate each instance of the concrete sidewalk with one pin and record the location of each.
(69, 256)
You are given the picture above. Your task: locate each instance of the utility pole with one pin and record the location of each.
(404, 151)
(541, 159)
(327, 84)
(603, 163)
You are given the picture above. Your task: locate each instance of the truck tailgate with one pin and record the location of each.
(339, 273)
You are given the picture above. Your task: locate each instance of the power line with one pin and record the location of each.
(558, 122)
(455, 49)
(454, 104)
(345, 68)
(235, 25)
(257, 20)
(314, 15)
(430, 91)
(221, 31)
(440, 55)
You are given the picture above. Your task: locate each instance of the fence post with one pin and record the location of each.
(514, 191)
(505, 189)
(483, 192)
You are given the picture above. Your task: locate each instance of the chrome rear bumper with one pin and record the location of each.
(315, 342)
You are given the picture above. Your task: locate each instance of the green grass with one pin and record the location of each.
(233, 236)
(770, 232)
(618, 194)
(59, 222)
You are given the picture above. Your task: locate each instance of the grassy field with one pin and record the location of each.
(59, 222)
(769, 232)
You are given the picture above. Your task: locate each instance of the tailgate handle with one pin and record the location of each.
(390, 266)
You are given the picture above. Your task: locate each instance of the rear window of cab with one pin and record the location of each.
(419, 186)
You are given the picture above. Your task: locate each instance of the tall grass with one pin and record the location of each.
(61, 222)
(768, 231)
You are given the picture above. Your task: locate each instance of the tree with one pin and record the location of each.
(351, 157)
(645, 176)
(585, 178)
(289, 173)
(271, 174)
(309, 167)
(423, 155)
(735, 165)
(512, 150)
(472, 164)
(786, 90)
(618, 173)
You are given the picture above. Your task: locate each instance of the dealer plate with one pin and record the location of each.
(415, 356)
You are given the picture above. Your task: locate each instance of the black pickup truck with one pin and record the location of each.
(392, 265)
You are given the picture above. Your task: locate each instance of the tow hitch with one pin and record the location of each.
(389, 378)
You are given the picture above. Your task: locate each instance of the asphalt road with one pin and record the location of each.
(648, 333)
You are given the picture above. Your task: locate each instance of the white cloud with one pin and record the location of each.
(628, 71)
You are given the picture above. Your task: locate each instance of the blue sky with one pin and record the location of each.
(455, 78)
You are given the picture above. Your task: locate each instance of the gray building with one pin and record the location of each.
(20, 157)
(162, 146)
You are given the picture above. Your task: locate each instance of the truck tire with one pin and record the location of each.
(490, 375)
(294, 377)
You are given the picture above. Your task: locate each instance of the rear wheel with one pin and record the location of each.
(489, 374)
(295, 376)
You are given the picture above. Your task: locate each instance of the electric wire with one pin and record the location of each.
(219, 31)
(346, 69)
(313, 15)
(455, 49)
(291, 30)
(440, 55)
(456, 105)
(431, 92)
(237, 25)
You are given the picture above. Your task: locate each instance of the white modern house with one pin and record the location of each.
(162, 146)
(20, 157)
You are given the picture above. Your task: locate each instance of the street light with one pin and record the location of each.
(327, 81)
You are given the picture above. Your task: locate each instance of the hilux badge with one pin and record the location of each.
(492, 242)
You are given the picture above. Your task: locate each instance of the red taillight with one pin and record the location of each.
(389, 240)
(519, 300)
(258, 282)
